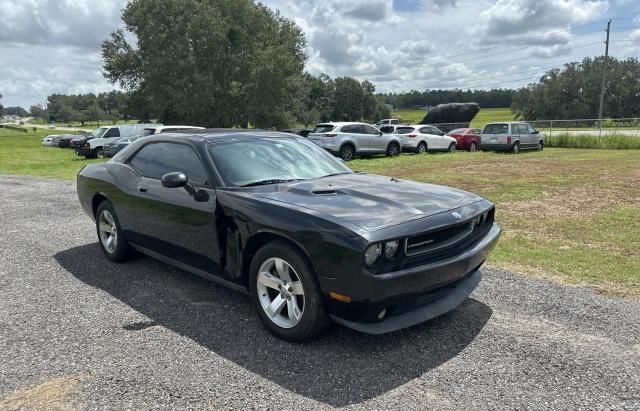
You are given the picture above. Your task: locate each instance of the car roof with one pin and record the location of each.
(341, 123)
(221, 135)
(172, 126)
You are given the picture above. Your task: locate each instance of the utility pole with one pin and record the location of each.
(604, 76)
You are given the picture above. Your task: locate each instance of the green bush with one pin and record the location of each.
(607, 142)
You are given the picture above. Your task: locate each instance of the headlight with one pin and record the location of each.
(372, 254)
(391, 248)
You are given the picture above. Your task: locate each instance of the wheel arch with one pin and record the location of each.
(96, 200)
(258, 240)
(349, 143)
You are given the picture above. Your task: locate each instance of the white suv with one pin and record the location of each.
(420, 138)
(350, 139)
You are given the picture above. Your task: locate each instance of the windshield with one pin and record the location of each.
(99, 132)
(405, 130)
(324, 128)
(270, 160)
(496, 129)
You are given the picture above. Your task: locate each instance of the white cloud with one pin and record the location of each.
(53, 45)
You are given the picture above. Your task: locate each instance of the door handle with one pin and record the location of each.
(143, 189)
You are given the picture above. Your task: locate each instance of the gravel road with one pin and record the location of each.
(79, 332)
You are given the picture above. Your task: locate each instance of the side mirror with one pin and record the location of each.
(174, 180)
(536, 132)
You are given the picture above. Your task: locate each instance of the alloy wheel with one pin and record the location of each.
(279, 286)
(346, 153)
(422, 148)
(108, 231)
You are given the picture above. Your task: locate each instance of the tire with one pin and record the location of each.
(452, 148)
(393, 150)
(279, 259)
(473, 147)
(515, 149)
(108, 226)
(422, 148)
(347, 152)
(540, 146)
(98, 153)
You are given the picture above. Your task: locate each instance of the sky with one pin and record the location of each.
(53, 46)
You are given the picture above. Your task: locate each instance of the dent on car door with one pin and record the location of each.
(170, 221)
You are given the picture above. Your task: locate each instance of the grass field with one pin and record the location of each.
(572, 215)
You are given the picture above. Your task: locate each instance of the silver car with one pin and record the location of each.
(511, 136)
(348, 140)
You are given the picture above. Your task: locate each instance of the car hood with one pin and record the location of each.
(368, 201)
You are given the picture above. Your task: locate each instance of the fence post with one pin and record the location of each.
(551, 127)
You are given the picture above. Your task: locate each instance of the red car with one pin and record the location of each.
(467, 138)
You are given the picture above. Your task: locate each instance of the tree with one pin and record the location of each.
(573, 92)
(1, 108)
(212, 63)
(15, 111)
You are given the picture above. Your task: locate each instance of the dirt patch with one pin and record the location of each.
(50, 395)
(571, 203)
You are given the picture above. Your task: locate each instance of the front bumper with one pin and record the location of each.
(84, 151)
(416, 294)
(442, 301)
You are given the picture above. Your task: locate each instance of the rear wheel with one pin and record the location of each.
(110, 234)
(393, 150)
(347, 152)
(473, 147)
(516, 148)
(422, 148)
(286, 294)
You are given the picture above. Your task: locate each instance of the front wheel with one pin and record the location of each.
(98, 153)
(516, 148)
(112, 240)
(540, 145)
(285, 292)
(452, 148)
(393, 150)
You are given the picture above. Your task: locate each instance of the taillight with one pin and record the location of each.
(412, 135)
(508, 139)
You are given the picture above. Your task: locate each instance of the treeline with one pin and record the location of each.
(111, 106)
(226, 63)
(495, 98)
(573, 92)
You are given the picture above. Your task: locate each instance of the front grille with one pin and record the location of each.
(437, 241)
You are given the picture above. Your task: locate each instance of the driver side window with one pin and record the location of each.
(157, 159)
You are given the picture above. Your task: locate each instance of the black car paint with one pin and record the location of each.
(330, 220)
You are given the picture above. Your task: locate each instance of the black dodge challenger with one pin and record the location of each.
(276, 216)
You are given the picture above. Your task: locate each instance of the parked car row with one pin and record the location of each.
(348, 140)
(107, 141)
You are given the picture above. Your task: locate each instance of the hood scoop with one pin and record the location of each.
(326, 192)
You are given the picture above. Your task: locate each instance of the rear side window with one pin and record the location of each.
(405, 130)
(157, 159)
(496, 129)
(324, 128)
